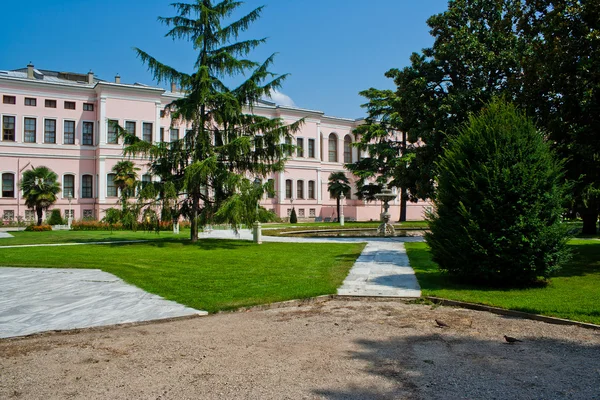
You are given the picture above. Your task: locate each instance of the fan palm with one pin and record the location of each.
(125, 179)
(338, 185)
(40, 187)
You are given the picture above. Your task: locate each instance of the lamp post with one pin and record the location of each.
(257, 231)
(342, 197)
(70, 217)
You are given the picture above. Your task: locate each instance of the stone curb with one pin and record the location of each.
(511, 313)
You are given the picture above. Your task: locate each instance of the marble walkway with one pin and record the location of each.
(43, 299)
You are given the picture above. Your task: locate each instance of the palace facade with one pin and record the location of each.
(61, 120)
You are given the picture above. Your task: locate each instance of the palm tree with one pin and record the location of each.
(125, 179)
(40, 187)
(338, 185)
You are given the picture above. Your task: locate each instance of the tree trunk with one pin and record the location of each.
(338, 208)
(590, 219)
(194, 222)
(403, 196)
(38, 210)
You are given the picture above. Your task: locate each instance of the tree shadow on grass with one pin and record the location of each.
(444, 366)
(202, 244)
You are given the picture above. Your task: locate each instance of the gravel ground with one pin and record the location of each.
(335, 349)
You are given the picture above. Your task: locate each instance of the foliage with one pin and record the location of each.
(541, 54)
(55, 218)
(498, 204)
(338, 185)
(208, 170)
(38, 228)
(40, 187)
(187, 273)
(293, 216)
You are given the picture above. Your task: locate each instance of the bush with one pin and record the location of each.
(55, 218)
(41, 228)
(86, 225)
(498, 202)
(293, 216)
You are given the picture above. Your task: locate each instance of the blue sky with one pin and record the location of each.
(332, 49)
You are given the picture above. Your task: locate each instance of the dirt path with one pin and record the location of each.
(339, 349)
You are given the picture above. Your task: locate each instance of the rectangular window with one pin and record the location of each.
(300, 189)
(86, 186)
(288, 142)
(311, 190)
(69, 132)
(50, 131)
(30, 101)
(29, 130)
(311, 148)
(146, 179)
(312, 212)
(300, 147)
(50, 103)
(8, 185)
(162, 134)
(162, 113)
(130, 127)
(29, 215)
(88, 107)
(301, 213)
(69, 105)
(8, 215)
(147, 132)
(111, 137)
(111, 188)
(70, 214)
(174, 134)
(288, 189)
(88, 214)
(9, 99)
(87, 134)
(8, 128)
(68, 186)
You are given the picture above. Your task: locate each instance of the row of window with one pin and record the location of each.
(113, 191)
(68, 186)
(332, 148)
(289, 184)
(9, 215)
(312, 212)
(30, 130)
(48, 103)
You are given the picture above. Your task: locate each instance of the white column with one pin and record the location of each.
(102, 179)
(318, 142)
(281, 194)
(102, 128)
(319, 187)
(158, 106)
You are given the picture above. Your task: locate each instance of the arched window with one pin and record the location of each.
(300, 189)
(288, 189)
(69, 186)
(87, 182)
(8, 185)
(333, 152)
(347, 149)
(311, 190)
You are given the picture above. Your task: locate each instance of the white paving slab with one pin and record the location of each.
(5, 235)
(36, 300)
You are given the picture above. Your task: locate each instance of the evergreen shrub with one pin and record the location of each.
(293, 216)
(497, 210)
(55, 218)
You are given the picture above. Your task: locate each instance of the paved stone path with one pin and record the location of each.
(42, 299)
(5, 235)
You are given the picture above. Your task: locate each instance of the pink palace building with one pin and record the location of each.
(61, 120)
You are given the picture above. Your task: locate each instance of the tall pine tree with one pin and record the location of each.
(227, 146)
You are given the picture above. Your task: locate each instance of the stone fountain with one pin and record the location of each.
(386, 195)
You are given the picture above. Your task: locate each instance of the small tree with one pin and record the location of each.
(293, 216)
(498, 203)
(338, 185)
(40, 187)
(55, 218)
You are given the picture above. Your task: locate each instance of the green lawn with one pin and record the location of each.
(574, 293)
(211, 275)
(22, 237)
(282, 229)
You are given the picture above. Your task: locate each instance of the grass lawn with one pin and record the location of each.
(283, 229)
(22, 237)
(210, 275)
(574, 293)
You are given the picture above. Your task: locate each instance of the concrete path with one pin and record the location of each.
(42, 299)
(5, 235)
